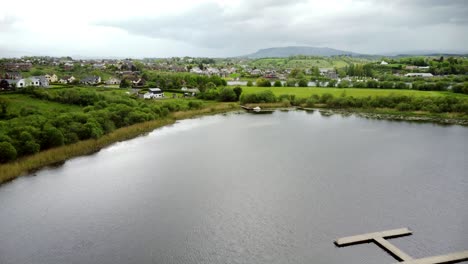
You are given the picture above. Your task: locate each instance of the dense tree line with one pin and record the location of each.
(400, 102)
(179, 80)
(32, 131)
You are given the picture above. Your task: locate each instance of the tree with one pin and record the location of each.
(277, 84)
(238, 92)
(302, 83)
(7, 152)
(262, 82)
(227, 95)
(315, 71)
(3, 107)
(249, 83)
(125, 83)
(51, 137)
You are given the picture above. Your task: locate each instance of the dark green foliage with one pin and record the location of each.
(290, 83)
(261, 97)
(238, 91)
(33, 129)
(460, 88)
(249, 83)
(51, 137)
(227, 94)
(125, 83)
(302, 83)
(262, 82)
(3, 107)
(331, 83)
(7, 152)
(277, 84)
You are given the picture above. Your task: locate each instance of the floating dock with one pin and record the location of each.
(380, 239)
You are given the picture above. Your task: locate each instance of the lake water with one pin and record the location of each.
(244, 188)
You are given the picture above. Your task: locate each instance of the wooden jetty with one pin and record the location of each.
(380, 239)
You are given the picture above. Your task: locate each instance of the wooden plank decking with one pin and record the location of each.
(449, 258)
(379, 239)
(371, 236)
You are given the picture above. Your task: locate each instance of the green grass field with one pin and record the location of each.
(304, 92)
(20, 101)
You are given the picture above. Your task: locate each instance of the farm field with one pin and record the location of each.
(303, 92)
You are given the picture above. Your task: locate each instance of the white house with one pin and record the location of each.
(419, 74)
(37, 81)
(384, 63)
(154, 93)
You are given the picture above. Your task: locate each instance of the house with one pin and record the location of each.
(99, 66)
(67, 79)
(419, 74)
(91, 80)
(68, 66)
(196, 70)
(154, 93)
(256, 72)
(51, 78)
(328, 72)
(190, 91)
(113, 80)
(17, 66)
(37, 81)
(384, 63)
(139, 82)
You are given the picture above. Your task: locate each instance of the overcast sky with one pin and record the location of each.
(220, 28)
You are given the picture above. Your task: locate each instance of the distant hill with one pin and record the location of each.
(281, 52)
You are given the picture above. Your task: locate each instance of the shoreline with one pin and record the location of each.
(379, 113)
(59, 155)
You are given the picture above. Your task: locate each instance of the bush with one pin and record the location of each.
(261, 97)
(227, 95)
(262, 82)
(290, 83)
(238, 92)
(7, 152)
(277, 84)
(302, 83)
(249, 83)
(51, 137)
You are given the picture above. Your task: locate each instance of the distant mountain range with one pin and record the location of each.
(281, 52)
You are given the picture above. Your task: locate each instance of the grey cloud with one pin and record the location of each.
(257, 24)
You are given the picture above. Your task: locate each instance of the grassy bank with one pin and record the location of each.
(57, 155)
(305, 92)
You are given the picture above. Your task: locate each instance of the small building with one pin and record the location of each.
(384, 63)
(419, 74)
(67, 79)
(138, 82)
(36, 81)
(52, 78)
(329, 73)
(91, 80)
(68, 66)
(154, 93)
(113, 80)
